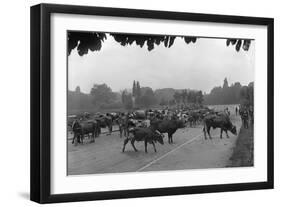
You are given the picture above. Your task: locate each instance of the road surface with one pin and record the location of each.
(189, 151)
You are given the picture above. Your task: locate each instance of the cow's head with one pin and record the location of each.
(159, 137)
(233, 130)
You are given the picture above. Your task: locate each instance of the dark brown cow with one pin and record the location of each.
(221, 121)
(147, 135)
(82, 128)
(167, 126)
(105, 122)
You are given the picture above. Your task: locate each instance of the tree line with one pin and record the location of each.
(188, 97)
(233, 94)
(140, 97)
(101, 96)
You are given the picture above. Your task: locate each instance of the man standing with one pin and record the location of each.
(245, 117)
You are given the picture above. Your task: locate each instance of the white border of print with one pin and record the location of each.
(60, 183)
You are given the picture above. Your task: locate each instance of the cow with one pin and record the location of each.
(221, 121)
(147, 135)
(82, 128)
(105, 121)
(167, 126)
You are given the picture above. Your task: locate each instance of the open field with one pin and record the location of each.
(190, 151)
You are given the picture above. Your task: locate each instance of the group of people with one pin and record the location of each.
(246, 113)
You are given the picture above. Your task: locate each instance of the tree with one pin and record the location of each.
(238, 43)
(163, 102)
(247, 95)
(77, 89)
(123, 96)
(225, 83)
(177, 97)
(101, 94)
(251, 93)
(199, 97)
(138, 89)
(134, 89)
(184, 96)
(172, 102)
(228, 94)
(128, 101)
(85, 41)
(148, 98)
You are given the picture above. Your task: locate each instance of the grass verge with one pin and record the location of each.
(243, 152)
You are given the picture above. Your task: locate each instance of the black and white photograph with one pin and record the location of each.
(148, 102)
(133, 103)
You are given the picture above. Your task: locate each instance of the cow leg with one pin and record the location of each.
(74, 139)
(81, 138)
(96, 132)
(226, 134)
(74, 135)
(132, 143)
(125, 143)
(78, 138)
(121, 131)
(221, 133)
(125, 132)
(204, 130)
(168, 139)
(208, 131)
(93, 137)
(153, 146)
(109, 129)
(171, 138)
(145, 146)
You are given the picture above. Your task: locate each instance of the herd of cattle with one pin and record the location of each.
(148, 125)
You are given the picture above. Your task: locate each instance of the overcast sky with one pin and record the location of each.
(200, 66)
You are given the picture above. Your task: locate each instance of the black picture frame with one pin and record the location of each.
(41, 99)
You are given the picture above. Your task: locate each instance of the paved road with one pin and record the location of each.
(190, 151)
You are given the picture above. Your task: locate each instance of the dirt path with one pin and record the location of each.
(190, 151)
